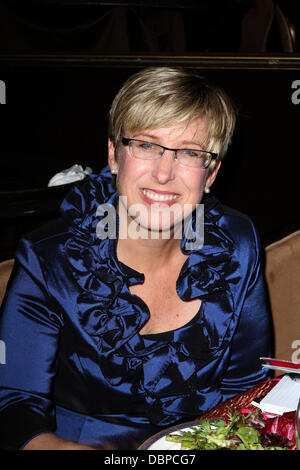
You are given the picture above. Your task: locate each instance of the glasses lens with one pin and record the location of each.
(194, 158)
(187, 157)
(145, 150)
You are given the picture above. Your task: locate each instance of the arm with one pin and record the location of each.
(252, 338)
(30, 329)
(47, 441)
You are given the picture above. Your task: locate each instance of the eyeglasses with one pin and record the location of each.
(188, 157)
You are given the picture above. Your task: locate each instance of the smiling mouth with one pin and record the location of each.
(154, 196)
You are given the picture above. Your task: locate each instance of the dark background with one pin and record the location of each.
(63, 62)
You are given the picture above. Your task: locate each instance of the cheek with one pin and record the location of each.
(131, 169)
(196, 182)
(128, 174)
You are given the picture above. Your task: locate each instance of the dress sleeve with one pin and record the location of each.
(252, 338)
(29, 330)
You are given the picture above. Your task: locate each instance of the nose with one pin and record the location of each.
(164, 168)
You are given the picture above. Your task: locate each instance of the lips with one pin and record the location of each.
(159, 196)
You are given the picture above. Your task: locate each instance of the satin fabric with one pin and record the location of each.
(74, 355)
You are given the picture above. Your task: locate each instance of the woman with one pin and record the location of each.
(121, 318)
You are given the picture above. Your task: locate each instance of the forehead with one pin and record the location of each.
(195, 131)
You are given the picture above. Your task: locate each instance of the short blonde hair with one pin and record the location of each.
(164, 96)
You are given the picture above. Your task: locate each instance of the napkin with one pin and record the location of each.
(282, 398)
(75, 173)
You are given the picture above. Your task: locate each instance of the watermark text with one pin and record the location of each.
(296, 354)
(2, 92)
(296, 94)
(2, 352)
(160, 221)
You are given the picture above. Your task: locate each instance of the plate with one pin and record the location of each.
(159, 442)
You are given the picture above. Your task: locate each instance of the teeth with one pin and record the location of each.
(159, 197)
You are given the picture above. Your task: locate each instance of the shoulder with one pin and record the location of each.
(48, 233)
(76, 228)
(238, 221)
(52, 229)
(44, 243)
(239, 226)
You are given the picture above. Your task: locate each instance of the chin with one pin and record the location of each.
(153, 228)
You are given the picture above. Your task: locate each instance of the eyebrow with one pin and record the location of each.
(154, 137)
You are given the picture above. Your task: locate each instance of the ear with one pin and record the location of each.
(212, 176)
(112, 162)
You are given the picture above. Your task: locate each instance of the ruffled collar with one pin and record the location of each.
(113, 317)
(94, 261)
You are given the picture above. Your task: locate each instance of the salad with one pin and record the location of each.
(238, 431)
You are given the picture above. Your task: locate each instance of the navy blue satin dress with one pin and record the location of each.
(76, 364)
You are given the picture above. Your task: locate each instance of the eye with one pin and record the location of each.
(192, 153)
(147, 145)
